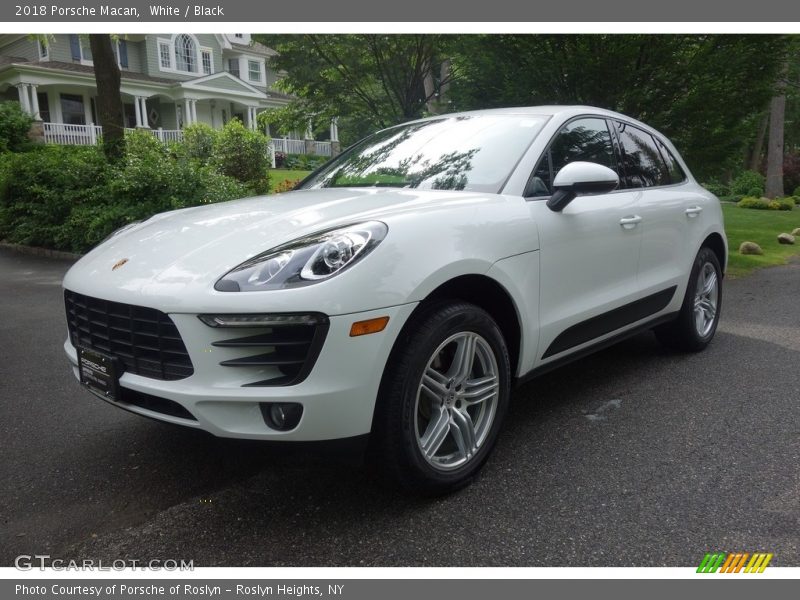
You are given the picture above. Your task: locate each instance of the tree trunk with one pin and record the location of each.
(777, 112)
(109, 99)
(758, 148)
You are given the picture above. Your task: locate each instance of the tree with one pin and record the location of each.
(109, 99)
(369, 81)
(700, 90)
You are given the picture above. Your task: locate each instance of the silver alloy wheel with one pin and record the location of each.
(456, 400)
(706, 298)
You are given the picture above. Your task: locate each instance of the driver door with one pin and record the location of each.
(589, 252)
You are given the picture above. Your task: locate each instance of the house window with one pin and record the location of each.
(72, 111)
(238, 36)
(233, 66)
(75, 47)
(164, 53)
(122, 54)
(206, 56)
(185, 54)
(43, 50)
(44, 106)
(80, 50)
(254, 70)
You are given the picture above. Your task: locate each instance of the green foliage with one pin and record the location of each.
(304, 162)
(748, 183)
(370, 81)
(796, 192)
(243, 154)
(70, 198)
(14, 127)
(787, 203)
(699, 90)
(198, 141)
(720, 190)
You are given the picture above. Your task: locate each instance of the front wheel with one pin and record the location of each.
(443, 398)
(697, 321)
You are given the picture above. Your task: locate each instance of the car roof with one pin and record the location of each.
(550, 110)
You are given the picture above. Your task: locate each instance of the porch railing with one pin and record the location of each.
(322, 148)
(164, 135)
(75, 135)
(288, 146)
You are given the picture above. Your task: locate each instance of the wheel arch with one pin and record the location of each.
(716, 244)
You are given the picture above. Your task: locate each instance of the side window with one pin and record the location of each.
(641, 160)
(585, 139)
(676, 174)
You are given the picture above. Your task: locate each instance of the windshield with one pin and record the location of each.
(472, 153)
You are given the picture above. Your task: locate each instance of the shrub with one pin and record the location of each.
(243, 154)
(198, 142)
(40, 188)
(304, 162)
(796, 192)
(280, 159)
(286, 185)
(782, 204)
(748, 183)
(14, 127)
(720, 190)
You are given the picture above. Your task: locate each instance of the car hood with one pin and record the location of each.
(196, 246)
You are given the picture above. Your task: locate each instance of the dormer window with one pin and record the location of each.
(238, 36)
(185, 54)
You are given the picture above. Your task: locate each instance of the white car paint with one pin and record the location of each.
(559, 269)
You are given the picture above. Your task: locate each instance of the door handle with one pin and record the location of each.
(630, 222)
(693, 211)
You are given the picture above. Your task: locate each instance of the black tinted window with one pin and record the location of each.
(641, 160)
(583, 139)
(676, 174)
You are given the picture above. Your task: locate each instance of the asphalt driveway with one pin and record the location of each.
(633, 456)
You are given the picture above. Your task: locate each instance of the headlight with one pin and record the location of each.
(306, 260)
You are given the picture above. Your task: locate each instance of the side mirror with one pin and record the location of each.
(579, 178)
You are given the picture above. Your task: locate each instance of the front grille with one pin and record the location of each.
(289, 350)
(144, 339)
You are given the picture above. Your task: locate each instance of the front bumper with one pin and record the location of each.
(338, 396)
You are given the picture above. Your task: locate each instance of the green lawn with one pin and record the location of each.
(761, 227)
(277, 176)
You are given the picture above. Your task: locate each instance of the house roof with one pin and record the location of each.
(79, 68)
(254, 48)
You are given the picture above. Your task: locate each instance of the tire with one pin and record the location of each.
(432, 434)
(696, 323)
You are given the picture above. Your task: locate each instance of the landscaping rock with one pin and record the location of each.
(750, 248)
(796, 232)
(785, 238)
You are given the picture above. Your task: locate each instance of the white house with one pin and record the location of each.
(167, 82)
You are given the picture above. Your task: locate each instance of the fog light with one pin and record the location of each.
(281, 416)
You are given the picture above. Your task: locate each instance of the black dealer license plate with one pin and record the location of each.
(98, 373)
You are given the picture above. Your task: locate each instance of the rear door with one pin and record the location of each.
(665, 205)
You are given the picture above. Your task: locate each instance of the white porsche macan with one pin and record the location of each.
(405, 287)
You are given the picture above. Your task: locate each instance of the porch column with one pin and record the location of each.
(194, 111)
(255, 117)
(187, 113)
(22, 88)
(145, 120)
(35, 103)
(138, 108)
(335, 129)
(309, 131)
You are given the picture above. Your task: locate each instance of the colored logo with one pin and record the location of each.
(734, 562)
(118, 264)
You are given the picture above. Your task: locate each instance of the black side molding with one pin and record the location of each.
(617, 318)
(614, 339)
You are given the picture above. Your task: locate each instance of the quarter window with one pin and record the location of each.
(676, 174)
(586, 139)
(641, 160)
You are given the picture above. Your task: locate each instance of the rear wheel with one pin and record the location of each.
(697, 321)
(443, 398)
